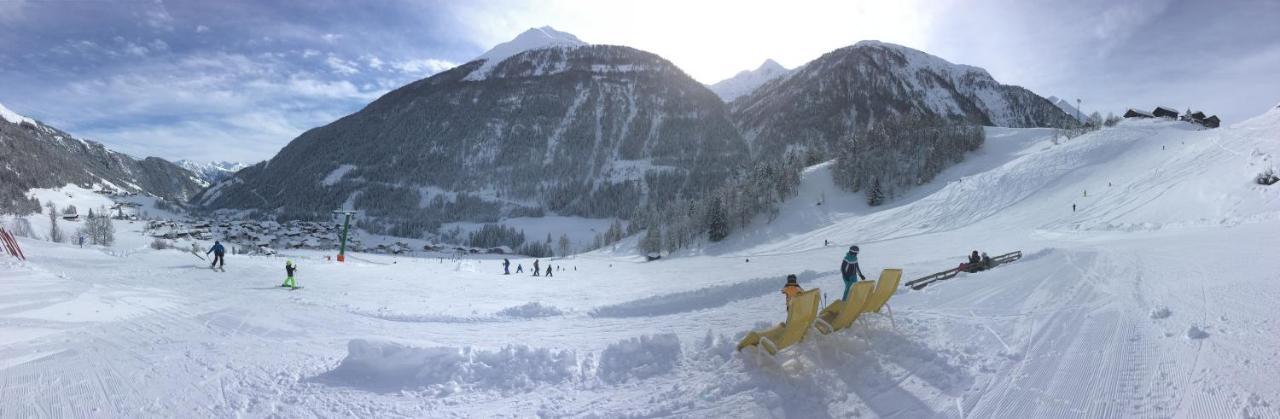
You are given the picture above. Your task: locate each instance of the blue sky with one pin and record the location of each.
(236, 80)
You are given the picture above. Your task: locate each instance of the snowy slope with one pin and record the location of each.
(1154, 299)
(534, 38)
(1066, 106)
(14, 117)
(834, 97)
(747, 81)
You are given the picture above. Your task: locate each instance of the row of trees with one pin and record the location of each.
(97, 228)
(900, 153)
(752, 192)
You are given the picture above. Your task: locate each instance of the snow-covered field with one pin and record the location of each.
(1156, 298)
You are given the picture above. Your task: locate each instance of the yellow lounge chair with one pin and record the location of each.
(885, 288)
(800, 315)
(839, 314)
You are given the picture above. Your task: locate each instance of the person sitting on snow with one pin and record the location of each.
(849, 271)
(289, 269)
(986, 261)
(791, 289)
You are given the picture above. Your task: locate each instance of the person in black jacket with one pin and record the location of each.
(850, 271)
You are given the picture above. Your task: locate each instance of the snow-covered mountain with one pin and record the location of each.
(592, 130)
(1067, 107)
(846, 90)
(35, 155)
(747, 81)
(534, 38)
(211, 171)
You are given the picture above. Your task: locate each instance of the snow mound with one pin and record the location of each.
(1195, 332)
(531, 310)
(534, 38)
(639, 358)
(1161, 313)
(699, 299)
(383, 366)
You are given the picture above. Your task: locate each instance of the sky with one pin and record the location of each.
(238, 79)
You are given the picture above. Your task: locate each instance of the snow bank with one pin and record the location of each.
(700, 299)
(639, 358)
(531, 310)
(384, 366)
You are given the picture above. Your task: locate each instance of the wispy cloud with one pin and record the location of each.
(121, 74)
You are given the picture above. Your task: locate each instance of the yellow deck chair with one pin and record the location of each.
(800, 315)
(840, 314)
(885, 288)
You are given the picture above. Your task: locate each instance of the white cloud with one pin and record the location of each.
(709, 39)
(201, 28)
(11, 10)
(308, 53)
(341, 66)
(374, 62)
(331, 37)
(157, 17)
(135, 49)
(423, 66)
(158, 45)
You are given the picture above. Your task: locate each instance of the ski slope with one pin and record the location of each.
(1155, 298)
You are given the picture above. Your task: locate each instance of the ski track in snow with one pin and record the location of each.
(1092, 322)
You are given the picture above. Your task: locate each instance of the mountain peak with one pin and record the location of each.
(531, 39)
(770, 65)
(747, 81)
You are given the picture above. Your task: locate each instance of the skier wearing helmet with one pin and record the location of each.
(849, 270)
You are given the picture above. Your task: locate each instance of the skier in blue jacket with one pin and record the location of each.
(217, 251)
(849, 270)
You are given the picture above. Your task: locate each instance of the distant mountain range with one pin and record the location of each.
(211, 172)
(747, 81)
(35, 155)
(549, 123)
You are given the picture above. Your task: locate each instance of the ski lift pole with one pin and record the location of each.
(346, 225)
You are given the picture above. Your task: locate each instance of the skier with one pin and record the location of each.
(506, 266)
(289, 268)
(535, 268)
(81, 238)
(1073, 207)
(791, 289)
(519, 268)
(850, 271)
(549, 271)
(986, 261)
(218, 251)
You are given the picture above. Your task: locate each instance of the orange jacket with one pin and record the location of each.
(790, 290)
